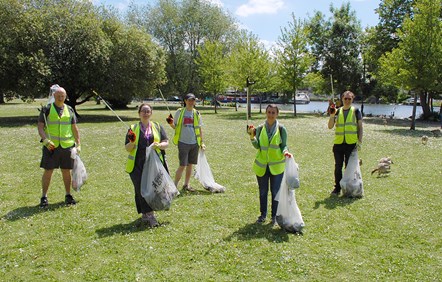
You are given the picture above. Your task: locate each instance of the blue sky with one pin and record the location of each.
(266, 17)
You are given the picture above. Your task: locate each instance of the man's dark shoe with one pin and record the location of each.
(335, 192)
(44, 202)
(69, 200)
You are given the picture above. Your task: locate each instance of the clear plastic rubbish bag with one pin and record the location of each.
(288, 215)
(291, 173)
(79, 174)
(203, 173)
(157, 187)
(351, 182)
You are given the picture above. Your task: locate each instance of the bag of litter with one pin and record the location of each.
(157, 187)
(291, 173)
(351, 182)
(288, 215)
(204, 174)
(79, 174)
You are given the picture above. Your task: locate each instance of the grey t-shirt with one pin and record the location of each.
(187, 135)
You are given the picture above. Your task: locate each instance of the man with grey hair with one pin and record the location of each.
(57, 127)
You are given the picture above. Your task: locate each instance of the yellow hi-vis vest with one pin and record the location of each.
(130, 164)
(59, 128)
(346, 128)
(269, 154)
(196, 126)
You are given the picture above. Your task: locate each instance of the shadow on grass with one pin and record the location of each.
(33, 120)
(334, 202)
(25, 212)
(125, 228)
(254, 230)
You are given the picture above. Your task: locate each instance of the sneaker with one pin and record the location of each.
(261, 219)
(335, 192)
(189, 188)
(69, 200)
(151, 220)
(44, 202)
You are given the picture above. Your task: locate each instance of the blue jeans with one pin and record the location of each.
(263, 183)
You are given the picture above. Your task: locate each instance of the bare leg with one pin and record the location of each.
(45, 181)
(66, 173)
(188, 174)
(178, 175)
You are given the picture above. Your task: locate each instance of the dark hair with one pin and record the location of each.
(272, 106)
(143, 105)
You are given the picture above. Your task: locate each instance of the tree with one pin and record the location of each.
(136, 65)
(180, 27)
(250, 64)
(336, 46)
(292, 55)
(212, 68)
(416, 62)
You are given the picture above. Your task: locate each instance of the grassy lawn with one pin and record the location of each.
(394, 233)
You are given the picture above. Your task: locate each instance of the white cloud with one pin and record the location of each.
(259, 7)
(218, 3)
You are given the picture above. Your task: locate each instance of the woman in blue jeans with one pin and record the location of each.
(270, 138)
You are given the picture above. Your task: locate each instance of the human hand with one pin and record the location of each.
(203, 147)
(359, 146)
(49, 144)
(251, 130)
(332, 109)
(131, 135)
(156, 145)
(169, 119)
(288, 155)
(78, 149)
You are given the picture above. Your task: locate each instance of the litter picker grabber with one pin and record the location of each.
(131, 133)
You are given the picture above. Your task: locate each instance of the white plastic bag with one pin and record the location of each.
(291, 173)
(205, 176)
(288, 215)
(79, 174)
(351, 182)
(157, 187)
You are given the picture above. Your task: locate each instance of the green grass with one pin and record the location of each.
(392, 234)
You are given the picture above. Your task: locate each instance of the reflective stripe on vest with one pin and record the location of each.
(59, 128)
(130, 163)
(196, 126)
(347, 128)
(269, 154)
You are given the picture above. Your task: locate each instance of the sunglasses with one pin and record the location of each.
(146, 111)
(347, 99)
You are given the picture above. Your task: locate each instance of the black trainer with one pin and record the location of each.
(261, 219)
(69, 200)
(44, 202)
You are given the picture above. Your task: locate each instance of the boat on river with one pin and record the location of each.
(301, 98)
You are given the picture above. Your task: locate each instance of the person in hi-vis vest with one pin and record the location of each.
(188, 136)
(270, 138)
(140, 136)
(347, 121)
(57, 127)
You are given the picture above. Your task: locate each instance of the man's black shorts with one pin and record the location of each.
(59, 158)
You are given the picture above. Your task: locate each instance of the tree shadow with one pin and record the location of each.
(25, 212)
(254, 230)
(334, 202)
(125, 228)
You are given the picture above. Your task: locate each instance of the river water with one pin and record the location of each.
(398, 111)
